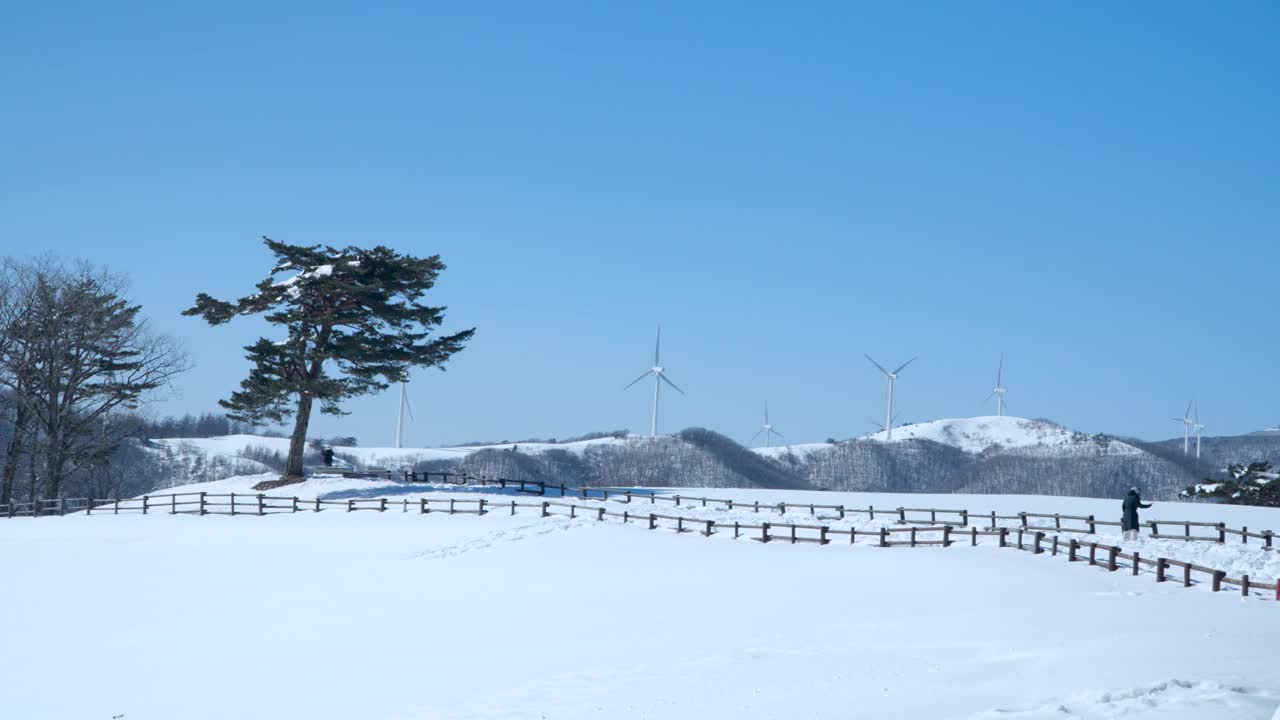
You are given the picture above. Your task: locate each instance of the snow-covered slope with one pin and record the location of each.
(372, 457)
(981, 434)
(335, 615)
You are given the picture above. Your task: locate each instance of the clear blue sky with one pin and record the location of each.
(1091, 188)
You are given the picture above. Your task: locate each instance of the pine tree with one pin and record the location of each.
(355, 323)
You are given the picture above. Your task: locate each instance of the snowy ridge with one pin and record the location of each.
(982, 434)
(375, 457)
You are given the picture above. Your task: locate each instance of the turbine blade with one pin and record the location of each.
(646, 374)
(904, 365)
(766, 412)
(753, 437)
(878, 365)
(665, 379)
(409, 406)
(656, 345)
(993, 394)
(1000, 370)
(1187, 414)
(775, 432)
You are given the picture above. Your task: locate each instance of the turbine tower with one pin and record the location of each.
(767, 429)
(659, 374)
(890, 377)
(404, 404)
(1000, 389)
(1198, 428)
(1186, 428)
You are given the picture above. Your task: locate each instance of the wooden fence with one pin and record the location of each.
(1026, 534)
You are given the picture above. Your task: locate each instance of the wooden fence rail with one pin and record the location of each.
(1023, 536)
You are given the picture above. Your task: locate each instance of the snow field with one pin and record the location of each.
(1234, 557)
(390, 615)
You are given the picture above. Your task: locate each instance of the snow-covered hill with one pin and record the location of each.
(995, 433)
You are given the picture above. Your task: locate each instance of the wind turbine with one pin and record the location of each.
(1198, 428)
(1000, 389)
(659, 374)
(890, 378)
(1186, 428)
(767, 429)
(404, 403)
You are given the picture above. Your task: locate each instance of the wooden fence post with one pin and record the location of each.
(513, 507)
(1055, 546)
(946, 536)
(1217, 579)
(546, 509)
(793, 534)
(295, 503)
(1093, 553)
(782, 508)
(811, 510)
(677, 501)
(351, 504)
(710, 524)
(822, 535)
(653, 521)
(1222, 533)
(261, 509)
(913, 536)
(1093, 527)
(145, 500)
(1004, 537)
(202, 505)
(1244, 534)
(1071, 550)
(625, 517)
(1268, 534)
(1111, 557)
(1020, 531)
(964, 518)
(764, 532)
(872, 509)
(973, 534)
(482, 503)
(1039, 538)
(317, 505)
(993, 519)
(1161, 563)
(884, 537)
(88, 509)
(840, 510)
(1244, 585)
(735, 529)
(1186, 575)
(1023, 517)
(1136, 562)
(173, 504)
(902, 515)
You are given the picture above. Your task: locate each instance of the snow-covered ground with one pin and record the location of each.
(391, 615)
(977, 434)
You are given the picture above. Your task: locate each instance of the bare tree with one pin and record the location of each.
(75, 351)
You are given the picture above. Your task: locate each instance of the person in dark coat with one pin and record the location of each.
(327, 455)
(1129, 521)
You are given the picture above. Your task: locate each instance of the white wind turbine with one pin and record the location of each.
(1186, 428)
(404, 404)
(1000, 389)
(1198, 428)
(767, 429)
(659, 374)
(890, 377)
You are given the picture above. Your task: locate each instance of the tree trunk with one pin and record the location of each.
(53, 465)
(298, 443)
(11, 455)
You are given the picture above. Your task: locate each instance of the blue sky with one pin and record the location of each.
(1092, 189)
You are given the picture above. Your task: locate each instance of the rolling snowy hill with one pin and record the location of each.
(983, 454)
(986, 434)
